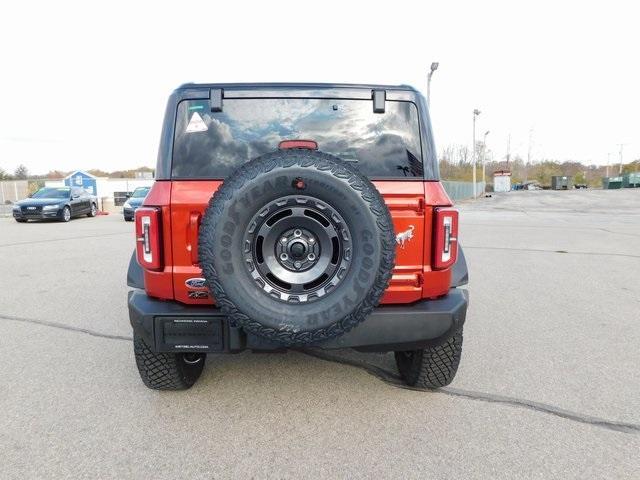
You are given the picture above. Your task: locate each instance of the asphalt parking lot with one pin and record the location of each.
(548, 387)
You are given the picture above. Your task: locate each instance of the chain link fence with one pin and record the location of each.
(10, 192)
(13, 190)
(462, 190)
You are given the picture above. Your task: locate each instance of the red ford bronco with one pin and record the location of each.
(296, 215)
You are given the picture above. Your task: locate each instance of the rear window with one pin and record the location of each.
(213, 144)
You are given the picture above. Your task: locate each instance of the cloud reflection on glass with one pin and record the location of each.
(380, 145)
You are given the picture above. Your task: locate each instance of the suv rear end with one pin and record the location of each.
(370, 137)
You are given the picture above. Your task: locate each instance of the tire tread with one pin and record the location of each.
(164, 371)
(432, 367)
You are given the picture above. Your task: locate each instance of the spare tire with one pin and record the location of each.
(297, 247)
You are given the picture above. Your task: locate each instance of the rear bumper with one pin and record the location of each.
(172, 327)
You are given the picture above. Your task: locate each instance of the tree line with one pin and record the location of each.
(456, 163)
(22, 173)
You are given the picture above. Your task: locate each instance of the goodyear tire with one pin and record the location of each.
(167, 371)
(431, 367)
(297, 247)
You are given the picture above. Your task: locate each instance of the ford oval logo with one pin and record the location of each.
(196, 283)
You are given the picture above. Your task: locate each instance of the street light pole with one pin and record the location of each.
(434, 67)
(476, 112)
(608, 162)
(484, 158)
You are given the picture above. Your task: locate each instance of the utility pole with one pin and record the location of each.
(608, 162)
(434, 67)
(621, 145)
(476, 112)
(526, 167)
(508, 150)
(484, 158)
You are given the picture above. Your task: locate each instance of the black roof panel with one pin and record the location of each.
(296, 85)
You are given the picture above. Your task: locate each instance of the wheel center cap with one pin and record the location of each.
(298, 249)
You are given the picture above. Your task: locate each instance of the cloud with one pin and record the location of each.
(382, 144)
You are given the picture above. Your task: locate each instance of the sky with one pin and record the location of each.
(84, 85)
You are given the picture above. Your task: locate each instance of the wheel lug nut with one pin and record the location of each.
(312, 240)
(297, 233)
(311, 257)
(297, 264)
(283, 256)
(283, 240)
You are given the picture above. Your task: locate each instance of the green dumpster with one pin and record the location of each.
(609, 183)
(631, 180)
(559, 182)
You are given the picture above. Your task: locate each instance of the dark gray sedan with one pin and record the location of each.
(134, 201)
(60, 203)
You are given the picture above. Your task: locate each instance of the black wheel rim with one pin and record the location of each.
(297, 249)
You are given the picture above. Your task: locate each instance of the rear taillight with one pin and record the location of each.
(148, 242)
(445, 245)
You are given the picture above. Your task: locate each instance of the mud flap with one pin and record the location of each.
(459, 274)
(135, 278)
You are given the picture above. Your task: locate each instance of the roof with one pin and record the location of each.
(76, 172)
(296, 85)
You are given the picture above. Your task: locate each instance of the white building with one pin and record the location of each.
(502, 181)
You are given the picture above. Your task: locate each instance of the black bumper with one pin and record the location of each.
(39, 215)
(173, 327)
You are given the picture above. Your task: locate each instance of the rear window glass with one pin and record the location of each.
(213, 144)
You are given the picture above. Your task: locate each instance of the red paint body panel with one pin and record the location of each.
(189, 199)
(406, 204)
(436, 195)
(410, 203)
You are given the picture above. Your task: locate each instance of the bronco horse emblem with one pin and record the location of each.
(404, 237)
